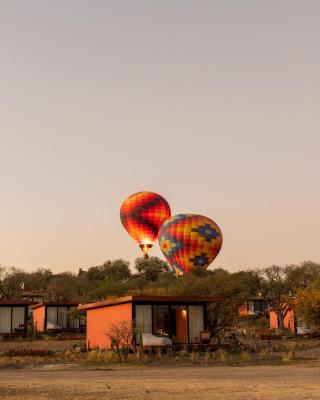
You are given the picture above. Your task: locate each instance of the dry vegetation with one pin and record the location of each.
(19, 353)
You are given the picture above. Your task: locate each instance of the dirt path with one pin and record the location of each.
(221, 383)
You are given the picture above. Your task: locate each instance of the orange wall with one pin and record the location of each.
(100, 320)
(243, 310)
(38, 318)
(288, 321)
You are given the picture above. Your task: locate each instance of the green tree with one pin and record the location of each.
(117, 270)
(151, 269)
(109, 289)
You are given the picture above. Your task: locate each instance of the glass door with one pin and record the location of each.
(179, 324)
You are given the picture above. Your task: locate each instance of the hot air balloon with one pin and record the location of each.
(142, 214)
(189, 241)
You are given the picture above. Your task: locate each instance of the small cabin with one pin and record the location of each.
(53, 316)
(13, 317)
(292, 322)
(180, 318)
(255, 306)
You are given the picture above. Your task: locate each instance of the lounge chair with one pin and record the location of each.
(149, 340)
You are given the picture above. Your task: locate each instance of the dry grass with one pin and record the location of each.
(31, 353)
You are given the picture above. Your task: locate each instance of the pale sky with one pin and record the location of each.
(213, 104)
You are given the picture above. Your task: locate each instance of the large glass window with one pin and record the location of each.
(260, 306)
(18, 316)
(5, 319)
(57, 318)
(51, 317)
(251, 307)
(143, 320)
(196, 324)
(62, 317)
(160, 320)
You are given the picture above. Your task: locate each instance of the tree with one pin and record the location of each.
(307, 306)
(248, 282)
(303, 275)
(150, 269)
(121, 335)
(38, 280)
(63, 287)
(75, 313)
(11, 283)
(222, 315)
(281, 284)
(278, 289)
(117, 270)
(108, 289)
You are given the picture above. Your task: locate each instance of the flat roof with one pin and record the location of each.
(55, 303)
(16, 303)
(151, 299)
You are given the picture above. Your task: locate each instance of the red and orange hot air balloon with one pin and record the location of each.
(142, 214)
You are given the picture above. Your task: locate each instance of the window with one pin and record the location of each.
(18, 316)
(11, 318)
(5, 319)
(160, 320)
(195, 323)
(57, 317)
(143, 320)
(62, 317)
(251, 307)
(51, 317)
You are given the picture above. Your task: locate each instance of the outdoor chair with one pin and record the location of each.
(205, 337)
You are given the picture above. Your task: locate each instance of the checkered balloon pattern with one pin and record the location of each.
(142, 215)
(189, 241)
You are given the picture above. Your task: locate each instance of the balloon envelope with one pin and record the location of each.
(142, 214)
(189, 241)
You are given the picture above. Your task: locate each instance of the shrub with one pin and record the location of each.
(28, 353)
(245, 356)
(288, 356)
(265, 354)
(223, 356)
(100, 356)
(121, 336)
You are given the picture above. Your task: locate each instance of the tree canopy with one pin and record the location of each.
(283, 286)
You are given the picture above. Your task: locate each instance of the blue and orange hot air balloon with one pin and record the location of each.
(189, 241)
(142, 214)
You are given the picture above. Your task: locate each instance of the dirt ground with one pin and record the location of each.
(65, 382)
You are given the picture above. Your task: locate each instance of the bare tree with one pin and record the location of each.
(278, 289)
(121, 335)
(11, 283)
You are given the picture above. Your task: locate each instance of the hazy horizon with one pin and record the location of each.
(214, 105)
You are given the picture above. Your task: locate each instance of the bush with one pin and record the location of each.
(245, 356)
(28, 353)
(223, 356)
(100, 356)
(289, 356)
